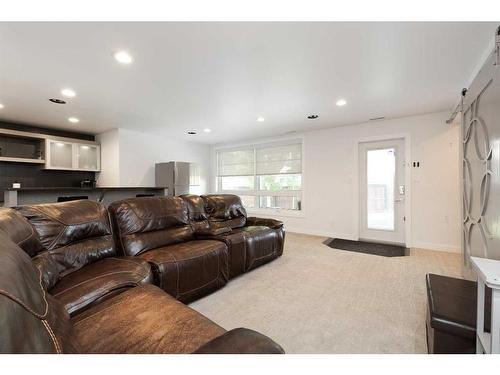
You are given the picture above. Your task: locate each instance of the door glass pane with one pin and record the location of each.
(87, 157)
(61, 155)
(381, 168)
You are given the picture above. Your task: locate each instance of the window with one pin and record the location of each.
(264, 176)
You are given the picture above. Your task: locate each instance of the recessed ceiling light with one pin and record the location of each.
(207, 130)
(2, 106)
(57, 101)
(191, 133)
(68, 93)
(123, 57)
(312, 117)
(260, 119)
(341, 102)
(74, 120)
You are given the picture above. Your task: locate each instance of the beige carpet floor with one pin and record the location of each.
(315, 299)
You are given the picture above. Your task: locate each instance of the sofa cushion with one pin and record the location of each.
(196, 210)
(20, 231)
(143, 320)
(262, 245)
(225, 210)
(75, 233)
(190, 269)
(142, 224)
(31, 320)
(100, 280)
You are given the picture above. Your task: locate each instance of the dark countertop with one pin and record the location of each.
(84, 188)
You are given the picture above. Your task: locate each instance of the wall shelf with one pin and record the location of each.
(22, 160)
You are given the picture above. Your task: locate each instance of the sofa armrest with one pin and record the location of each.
(271, 223)
(212, 232)
(241, 341)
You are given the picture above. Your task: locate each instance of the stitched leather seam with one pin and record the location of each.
(97, 277)
(178, 275)
(206, 284)
(259, 258)
(29, 236)
(52, 336)
(128, 260)
(16, 299)
(62, 249)
(203, 286)
(167, 214)
(88, 301)
(181, 260)
(23, 304)
(119, 230)
(56, 238)
(93, 219)
(112, 306)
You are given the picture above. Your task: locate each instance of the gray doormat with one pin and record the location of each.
(367, 247)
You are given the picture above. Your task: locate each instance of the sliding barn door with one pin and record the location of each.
(481, 164)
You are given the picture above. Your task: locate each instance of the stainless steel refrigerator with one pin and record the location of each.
(179, 177)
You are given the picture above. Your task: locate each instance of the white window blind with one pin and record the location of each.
(236, 163)
(285, 159)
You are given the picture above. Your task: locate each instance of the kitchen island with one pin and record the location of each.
(34, 195)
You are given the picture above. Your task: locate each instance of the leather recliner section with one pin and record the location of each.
(158, 229)
(77, 258)
(252, 242)
(32, 321)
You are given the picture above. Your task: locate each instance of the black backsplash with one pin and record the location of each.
(33, 175)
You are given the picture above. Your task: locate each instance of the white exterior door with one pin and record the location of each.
(382, 191)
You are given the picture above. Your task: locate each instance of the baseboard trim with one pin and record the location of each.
(418, 245)
(437, 247)
(320, 233)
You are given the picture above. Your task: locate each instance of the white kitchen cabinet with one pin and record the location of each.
(87, 157)
(72, 156)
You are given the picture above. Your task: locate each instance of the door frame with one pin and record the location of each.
(408, 193)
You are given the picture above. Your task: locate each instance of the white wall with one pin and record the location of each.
(330, 172)
(140, 151)
(110, 158)
(134, 154)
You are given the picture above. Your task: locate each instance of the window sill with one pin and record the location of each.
(274, 212)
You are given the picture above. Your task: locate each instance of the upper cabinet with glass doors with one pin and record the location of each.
(73, 156)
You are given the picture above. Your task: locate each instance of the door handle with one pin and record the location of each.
(398, 200)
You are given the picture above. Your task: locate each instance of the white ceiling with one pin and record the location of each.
(190, 76)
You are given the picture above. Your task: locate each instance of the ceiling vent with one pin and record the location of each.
(377, 118)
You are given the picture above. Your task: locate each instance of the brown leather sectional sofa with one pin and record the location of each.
(77, 278)
(251, 241)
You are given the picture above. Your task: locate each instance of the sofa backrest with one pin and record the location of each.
(31, 320)
(225, 210)
(142, 224)
(73, 234)
(19, 231)
(196, 210)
